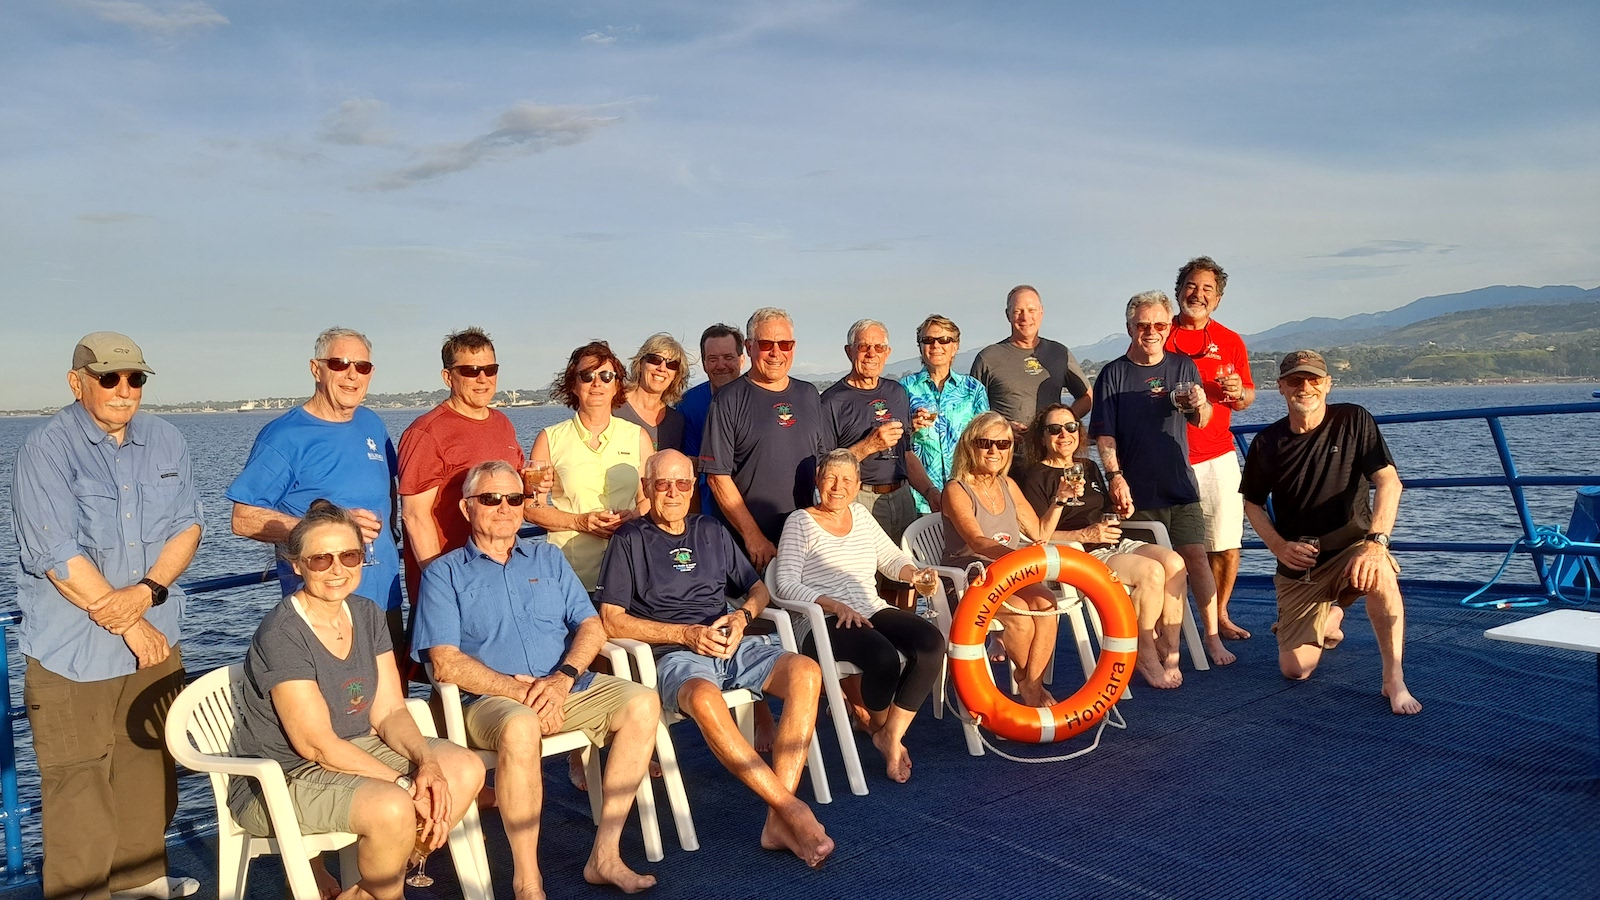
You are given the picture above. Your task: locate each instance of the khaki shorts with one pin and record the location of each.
(321, 797)
(1221, 502)
(1186, 523)
(1126, 545)
(589, 711)
(1303, 608)
(894, 511)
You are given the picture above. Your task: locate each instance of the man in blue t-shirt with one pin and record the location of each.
(722, 356)
(1139, 427)
(762, 439)
(331, 448)
(665, 580)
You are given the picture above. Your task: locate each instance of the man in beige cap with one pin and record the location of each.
(106, 518)
(1335, 494)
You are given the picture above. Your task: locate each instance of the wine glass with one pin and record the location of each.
(1074, 477)
(1111, 520)
(925, 582)
(1223, 371)
(891, 453)
(1316, 545)
(532, 478)
(369, 554)
(420, 878)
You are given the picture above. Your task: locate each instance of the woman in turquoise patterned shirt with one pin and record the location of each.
(942, 402)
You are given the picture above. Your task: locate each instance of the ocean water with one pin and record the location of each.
(219, 625)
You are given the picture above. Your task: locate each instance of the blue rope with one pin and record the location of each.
(1546, 539)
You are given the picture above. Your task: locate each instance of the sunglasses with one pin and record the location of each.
(765, 345)
(339, 364)
(490, 370)
(110, 380)
(684, 485)
(930, 341)
(1297, 380)
(656, 359)
(992, 443)
(495, 499)
(606, 376)
(322, 562)
(1152, 326)
(1058, 427)
(879, 349)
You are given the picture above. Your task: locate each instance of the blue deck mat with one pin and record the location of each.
(1237, 785)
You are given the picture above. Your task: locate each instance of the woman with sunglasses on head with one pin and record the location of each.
(658, 375)
(594, 460)
(942, 402)
(323, 698)
(1082, 511)
(986, 516)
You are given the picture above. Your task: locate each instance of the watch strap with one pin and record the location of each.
(748, 618)
(1378, 538)
(158, 591)
(568, 670)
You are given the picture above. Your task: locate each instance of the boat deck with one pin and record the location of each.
(1240, 784)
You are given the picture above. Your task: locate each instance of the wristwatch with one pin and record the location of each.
(158, 591)
(567, 670)
(1381, 540)
(747, 617)
(1111, 475)
(404, 782)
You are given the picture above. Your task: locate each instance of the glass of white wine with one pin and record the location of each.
(420, 878)
(1074, 476)
(1316, 547)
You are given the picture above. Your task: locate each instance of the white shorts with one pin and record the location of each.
(1221, 501)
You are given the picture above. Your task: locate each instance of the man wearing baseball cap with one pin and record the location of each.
(106, 518)
(1335, 494)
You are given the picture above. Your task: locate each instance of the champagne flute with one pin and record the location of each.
(419, 852)
(1074, 477)
(1316, 545)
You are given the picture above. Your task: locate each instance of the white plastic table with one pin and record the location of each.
(1571, 629)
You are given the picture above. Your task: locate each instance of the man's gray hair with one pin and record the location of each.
(485, 470)
(862, 325)
(1148, 298)
(325, 341)
(764, 314)
(839, 457)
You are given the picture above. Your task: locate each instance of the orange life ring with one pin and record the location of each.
(969, 663)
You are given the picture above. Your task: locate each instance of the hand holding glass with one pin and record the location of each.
(1225, 375)
(419, 853)
(533, 478)
(1316, 547)
(1182, 395)
(1073, 476)
(924, 581)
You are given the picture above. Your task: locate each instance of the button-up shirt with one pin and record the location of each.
(516, 617)
(77, 492)
(961, 401)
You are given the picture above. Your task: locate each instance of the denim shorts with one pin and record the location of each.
(750, 667)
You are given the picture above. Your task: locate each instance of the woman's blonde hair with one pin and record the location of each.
(967, 450)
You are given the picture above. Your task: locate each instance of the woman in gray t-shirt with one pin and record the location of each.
(322, 697)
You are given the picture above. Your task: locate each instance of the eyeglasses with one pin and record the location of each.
(765, 345)
(992, 443)
(110, 380)
(684, 485)
(1152, 326)
(1058, 427)
(322, 562)
(495, 499)
(606, 376)
(879, 349)
(490, 370)
(930, 341)
(340, 363)
(656, 359)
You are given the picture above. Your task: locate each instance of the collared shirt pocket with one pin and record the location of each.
(98, 527)
(159, 495)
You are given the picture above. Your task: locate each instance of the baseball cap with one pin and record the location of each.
(108, 351)
(1308, 361)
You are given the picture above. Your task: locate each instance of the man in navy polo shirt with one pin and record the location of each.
(509, 621)
(665, 580)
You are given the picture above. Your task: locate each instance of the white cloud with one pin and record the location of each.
(595, 37)
(174, 19)
(357, 123)
(524, 129)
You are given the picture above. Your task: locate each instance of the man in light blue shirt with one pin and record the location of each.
(106, 517)
(508, 620)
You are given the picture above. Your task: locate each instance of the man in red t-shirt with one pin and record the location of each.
(1224, 365)
(440, 446)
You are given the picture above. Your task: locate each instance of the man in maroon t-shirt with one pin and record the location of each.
(440, 446)
(1224, 365)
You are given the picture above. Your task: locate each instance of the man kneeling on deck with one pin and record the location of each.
(495, 620)
(1331, 540)
(664, 580)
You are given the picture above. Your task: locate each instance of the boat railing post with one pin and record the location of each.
(1513, 481)
(12, 810)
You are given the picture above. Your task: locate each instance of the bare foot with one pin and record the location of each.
(575, 771)
(1036, 696)
(997, 650)
(616, 873)
(1332, 633)
(766, 728)
(1159, 676)
(804, 837)
(1219, 654)
(534, 891)
(1401, 703)
(1232, 632)
(897, 760)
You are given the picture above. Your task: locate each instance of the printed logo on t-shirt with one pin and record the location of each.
(880, 412)
(785, 414)
(683, 559)
(1032, 366)
(1157, 385)
(355, 694)
(372, 450)
(1000, 537)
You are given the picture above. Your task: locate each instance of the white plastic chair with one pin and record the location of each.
(200, 734)
(924, 541)
(740, 701)
(1191, 632)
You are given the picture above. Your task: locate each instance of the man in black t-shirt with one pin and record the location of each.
(664, 581)
(1141, 432)
(1331, 540)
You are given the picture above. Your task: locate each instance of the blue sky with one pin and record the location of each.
(223, 179)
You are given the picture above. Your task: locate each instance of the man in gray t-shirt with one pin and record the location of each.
(1025, 373)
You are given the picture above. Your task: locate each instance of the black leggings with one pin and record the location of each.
(877, 650)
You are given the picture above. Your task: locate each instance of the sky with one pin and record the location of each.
(224, 179)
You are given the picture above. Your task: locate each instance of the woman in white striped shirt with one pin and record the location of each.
(828, 555)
